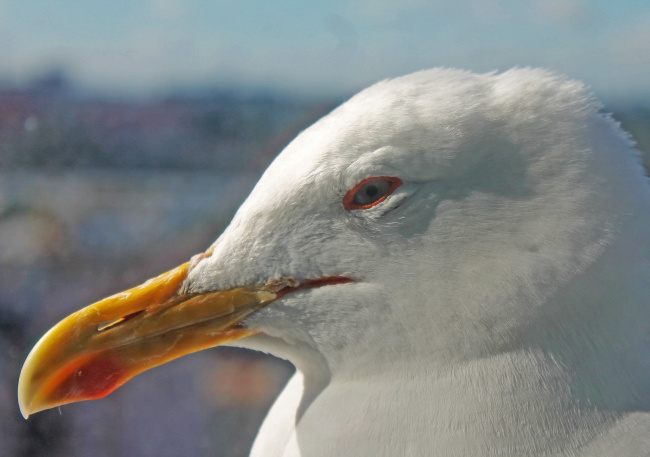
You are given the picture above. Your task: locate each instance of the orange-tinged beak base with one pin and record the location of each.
(97, 349)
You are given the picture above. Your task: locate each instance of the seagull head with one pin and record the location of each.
(429, 219)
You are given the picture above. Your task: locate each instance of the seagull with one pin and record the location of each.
(457, 264)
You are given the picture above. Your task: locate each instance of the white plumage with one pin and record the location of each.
(501, 303)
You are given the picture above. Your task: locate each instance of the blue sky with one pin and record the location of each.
(326, 46)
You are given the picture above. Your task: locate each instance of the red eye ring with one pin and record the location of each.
(350, 204)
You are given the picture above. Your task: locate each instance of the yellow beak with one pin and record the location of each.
(97, 349)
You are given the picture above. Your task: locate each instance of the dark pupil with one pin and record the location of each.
(371, 192)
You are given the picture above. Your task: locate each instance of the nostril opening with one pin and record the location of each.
(112, 324)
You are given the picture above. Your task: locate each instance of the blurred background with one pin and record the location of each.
(131, 131)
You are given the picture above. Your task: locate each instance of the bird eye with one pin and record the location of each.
(370, 192)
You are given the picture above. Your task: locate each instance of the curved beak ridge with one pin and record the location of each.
(98, 348)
